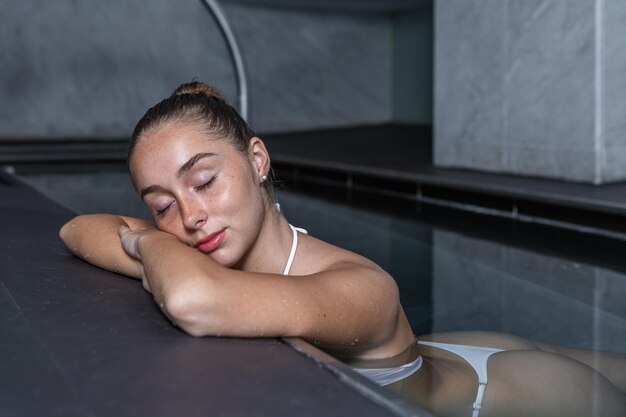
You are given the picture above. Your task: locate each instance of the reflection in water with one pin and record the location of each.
(450, 281)
(483, 285)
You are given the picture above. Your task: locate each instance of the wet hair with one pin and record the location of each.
(200, 104)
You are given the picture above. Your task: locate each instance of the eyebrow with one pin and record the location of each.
(191, 162)
(150, 189)
(181, 171)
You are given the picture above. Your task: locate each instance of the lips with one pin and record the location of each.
(211, 242)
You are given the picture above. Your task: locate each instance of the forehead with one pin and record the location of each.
(165, 149)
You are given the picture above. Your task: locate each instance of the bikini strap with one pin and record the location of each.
(294, 245)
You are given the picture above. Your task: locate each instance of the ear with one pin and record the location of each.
(259, 158)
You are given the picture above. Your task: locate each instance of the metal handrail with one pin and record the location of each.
(235, 54)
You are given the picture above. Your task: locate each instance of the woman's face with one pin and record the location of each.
(202, 189)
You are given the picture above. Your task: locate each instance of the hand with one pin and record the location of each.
(130, 239)
(130, 242)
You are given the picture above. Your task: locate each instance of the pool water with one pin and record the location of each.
(451, 279)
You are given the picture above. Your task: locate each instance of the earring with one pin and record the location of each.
(264, 178)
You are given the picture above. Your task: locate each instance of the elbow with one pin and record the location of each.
(67, 231)
(64, 231)
(192, 310)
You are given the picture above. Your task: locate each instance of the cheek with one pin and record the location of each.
(236, 195)
(171, 225)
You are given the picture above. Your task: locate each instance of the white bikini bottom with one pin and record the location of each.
(476, 356)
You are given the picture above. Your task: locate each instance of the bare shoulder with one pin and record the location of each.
(315, 255)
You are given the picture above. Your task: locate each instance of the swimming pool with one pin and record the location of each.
(544, 284)
(455, 271)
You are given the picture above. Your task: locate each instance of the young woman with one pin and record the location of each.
(220, 259)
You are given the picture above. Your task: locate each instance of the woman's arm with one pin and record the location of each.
(95, 238)
(353, 306)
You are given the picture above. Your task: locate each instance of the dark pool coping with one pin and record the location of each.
(85, 342)
(603, 198)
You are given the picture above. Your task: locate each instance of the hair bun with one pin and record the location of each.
(197, 87)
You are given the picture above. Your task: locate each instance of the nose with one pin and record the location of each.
(194, 216)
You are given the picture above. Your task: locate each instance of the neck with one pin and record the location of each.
(270, 249)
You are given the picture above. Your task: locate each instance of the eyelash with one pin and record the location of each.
(205, 185)
(160, 212)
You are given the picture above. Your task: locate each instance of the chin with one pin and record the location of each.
(223, 258)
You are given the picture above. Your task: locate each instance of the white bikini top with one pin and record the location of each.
(382, 376)
(294, 246)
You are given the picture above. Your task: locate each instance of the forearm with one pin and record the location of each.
(205, 298)
(175, 272)
(95, 239)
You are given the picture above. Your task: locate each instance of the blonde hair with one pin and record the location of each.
(198, 87)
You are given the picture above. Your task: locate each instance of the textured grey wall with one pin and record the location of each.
(311, 69)
(531, 87)
(413, 67)
(613, 91)
(91, 68)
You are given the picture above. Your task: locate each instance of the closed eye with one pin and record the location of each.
(160, 212)
(205, 185)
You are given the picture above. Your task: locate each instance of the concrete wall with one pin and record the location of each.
(531, 87)
(413, 67)
(91, 68)
(613, 92)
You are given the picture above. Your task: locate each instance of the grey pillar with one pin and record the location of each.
(532, 87)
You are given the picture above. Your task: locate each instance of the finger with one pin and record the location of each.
(123, 230)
